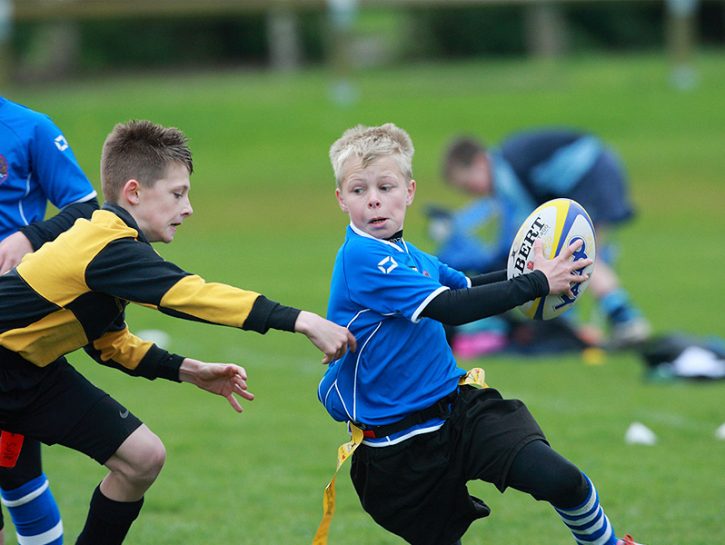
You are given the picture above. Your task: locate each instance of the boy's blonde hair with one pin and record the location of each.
(140, 150)
(371, 143)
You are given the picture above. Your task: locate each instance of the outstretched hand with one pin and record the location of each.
(224, 379)
(332, 340)
(12, 250)
(561, 272)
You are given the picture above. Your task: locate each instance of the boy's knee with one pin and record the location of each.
(572, 489)
(140, 458)
(150, 460)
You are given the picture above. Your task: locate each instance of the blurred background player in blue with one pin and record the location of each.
(526, 170)
(37, 166)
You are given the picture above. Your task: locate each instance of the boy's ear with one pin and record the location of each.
(411, 192)
(342, 204)
(130, 190)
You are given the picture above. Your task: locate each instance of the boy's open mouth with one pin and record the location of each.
(377, 221)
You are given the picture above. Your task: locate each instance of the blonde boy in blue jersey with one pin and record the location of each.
(72, 293)
(426, 436)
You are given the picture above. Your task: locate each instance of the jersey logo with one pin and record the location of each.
(60, 142)
(3, 169)
(387, 265)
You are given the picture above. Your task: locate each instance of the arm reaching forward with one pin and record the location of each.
(224, 379)
(332, 340)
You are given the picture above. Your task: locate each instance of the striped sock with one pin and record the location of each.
(617, 306)
(587, 522)
(34, 513)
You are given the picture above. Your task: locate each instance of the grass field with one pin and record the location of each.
(265, 218)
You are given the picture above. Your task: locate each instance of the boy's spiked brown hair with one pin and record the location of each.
(142, 151)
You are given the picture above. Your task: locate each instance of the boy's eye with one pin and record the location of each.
(357, 190)
(178, 195)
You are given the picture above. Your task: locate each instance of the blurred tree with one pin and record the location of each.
(427, 30)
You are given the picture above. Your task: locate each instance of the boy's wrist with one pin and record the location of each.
(188, 369)
(267, 314)
(302, 323)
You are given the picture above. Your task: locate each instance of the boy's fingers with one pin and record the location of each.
(234, 403)
(538, 248)
(347, 343)
(351, 342)
(580, 264)
(249, 396)
(573, 247)
(232, 370)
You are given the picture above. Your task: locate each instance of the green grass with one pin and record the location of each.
(265, 219)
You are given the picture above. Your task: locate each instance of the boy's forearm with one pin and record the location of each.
(188, 370)
(305, 322)
(156, 363)
(488, 278)
(456, 307)
(267, 314)
(45, 231)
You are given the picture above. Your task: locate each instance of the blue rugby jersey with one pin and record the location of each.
(403, 363)
(36, 166)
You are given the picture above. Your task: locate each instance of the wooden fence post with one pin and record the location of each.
(283, 38)
(545, 29)
(681, 42)
(6, 21)
(342, 16)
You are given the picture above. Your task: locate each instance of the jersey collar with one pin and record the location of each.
(127, 219)
(398, 243)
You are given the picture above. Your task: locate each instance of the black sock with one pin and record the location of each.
(108, 521)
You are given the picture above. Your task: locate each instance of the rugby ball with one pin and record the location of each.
(558, 223)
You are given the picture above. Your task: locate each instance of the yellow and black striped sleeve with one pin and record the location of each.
(120, 349)
(130, 269)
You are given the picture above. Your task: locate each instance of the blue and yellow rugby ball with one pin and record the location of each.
(558, 223)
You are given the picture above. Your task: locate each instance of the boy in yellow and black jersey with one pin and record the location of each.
(72, 294)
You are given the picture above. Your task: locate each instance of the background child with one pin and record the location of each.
(37, 166)
(72, 293)
(526, 170)
(425, 437)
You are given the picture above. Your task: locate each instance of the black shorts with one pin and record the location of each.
(417, 489)
(65, 408)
